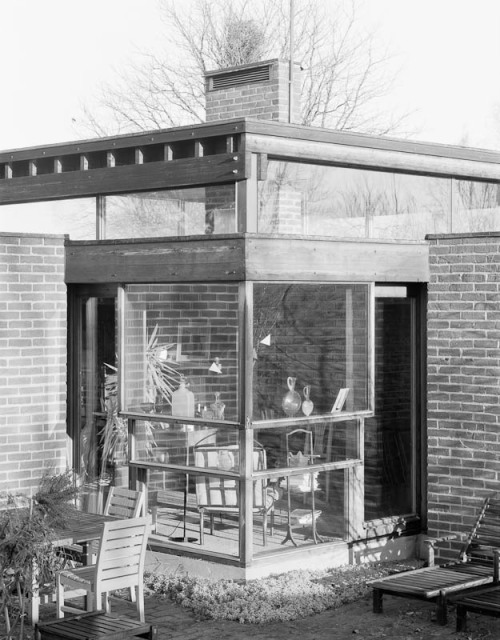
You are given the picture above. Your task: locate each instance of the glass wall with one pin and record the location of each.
(311, 199)
(77, 218)
(181, 350)
(176, 212)
(311, 349)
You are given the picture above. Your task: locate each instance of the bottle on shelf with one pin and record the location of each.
(183, 400)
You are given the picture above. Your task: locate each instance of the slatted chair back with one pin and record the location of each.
(125, 503)
(122, 552)
(223, 491)
(119, 566)
(484, 538)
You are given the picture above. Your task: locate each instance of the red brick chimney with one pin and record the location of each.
(257, 90)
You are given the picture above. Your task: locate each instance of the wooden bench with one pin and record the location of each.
(94, 626)
(477, 565)
(485, 601)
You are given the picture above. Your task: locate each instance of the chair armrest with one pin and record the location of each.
(433, 542)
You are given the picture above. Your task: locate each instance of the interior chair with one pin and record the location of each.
(221, 494)
(120, 565)
(477, 564)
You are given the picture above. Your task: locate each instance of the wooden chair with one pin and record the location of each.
(221, 494)
(124, 503)
(120, 565)
(120, 503)
(477, 565)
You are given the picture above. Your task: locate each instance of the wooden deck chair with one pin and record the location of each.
(221, 494)
(477, 564)
(120, 565)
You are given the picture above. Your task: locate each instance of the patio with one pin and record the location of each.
(401, 620)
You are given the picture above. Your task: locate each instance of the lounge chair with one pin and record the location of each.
(477, 565)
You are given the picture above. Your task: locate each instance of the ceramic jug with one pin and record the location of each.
(291, 401)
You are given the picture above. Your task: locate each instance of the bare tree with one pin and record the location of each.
(345, 72)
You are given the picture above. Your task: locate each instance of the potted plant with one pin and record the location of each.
(162, 377)
(27, 524)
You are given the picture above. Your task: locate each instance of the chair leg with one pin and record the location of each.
(461, 618)
(59, 600)
(140, 601)
(264, 527)
(441, 610)
(202, 526)
(377, 601)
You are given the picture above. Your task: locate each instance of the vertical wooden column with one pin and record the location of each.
(246, 495)
(245, 417)
(246, 197)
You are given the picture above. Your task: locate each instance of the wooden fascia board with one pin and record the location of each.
(246, 257)
(156, 260)
(207, 170)
(319, 260)
(343, 155)
(360, 140)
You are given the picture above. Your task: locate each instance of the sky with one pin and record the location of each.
(57, 53)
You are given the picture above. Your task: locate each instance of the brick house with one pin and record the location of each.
(329, 297)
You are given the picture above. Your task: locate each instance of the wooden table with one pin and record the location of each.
(94, 626)
(79, 528)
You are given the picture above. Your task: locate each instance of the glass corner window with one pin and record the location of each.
(181, 350)
(311, 350)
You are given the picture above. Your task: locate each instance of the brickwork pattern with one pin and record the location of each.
(32, 359)
(463, 379)
(267, 100)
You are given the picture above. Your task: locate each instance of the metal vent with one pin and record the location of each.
(243, 76)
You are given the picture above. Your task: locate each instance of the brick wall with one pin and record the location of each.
(32, 359)
(463, 379)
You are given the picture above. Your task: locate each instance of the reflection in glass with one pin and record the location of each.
(315, 335)
(173, 213)
(76, 218)
(300, 198)
(182, 331)
(476, 206)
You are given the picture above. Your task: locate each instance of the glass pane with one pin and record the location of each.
(182, 511)
(102, 435)
(177, 212)
(289, 447)
(305, 509)
(389, 437)
(77, 218)
(476, 206)
(311, 199)
(181, 350)
(173, 443)
(310, 341)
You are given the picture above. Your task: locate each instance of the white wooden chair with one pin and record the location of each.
(221, 494)
(120, 565)
(124, 503)
(120, 503)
